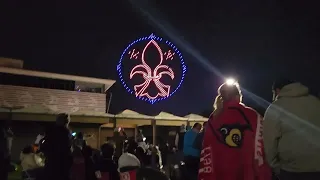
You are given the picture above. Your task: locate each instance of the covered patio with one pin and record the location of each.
(132, 119)
(127, 119)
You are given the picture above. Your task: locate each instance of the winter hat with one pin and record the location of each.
(127, 160)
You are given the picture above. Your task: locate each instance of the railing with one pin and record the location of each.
(52, 99)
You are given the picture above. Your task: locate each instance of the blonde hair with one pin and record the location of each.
(226, 93)
(218, 103)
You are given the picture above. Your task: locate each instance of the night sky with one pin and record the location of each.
(252, 40)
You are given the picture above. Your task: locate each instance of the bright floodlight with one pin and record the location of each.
(230, 81)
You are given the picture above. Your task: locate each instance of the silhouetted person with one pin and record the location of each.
(78, 168)
(119, 138)
(232, 146)
(5, 149)
(140, 137)
(88, 156)
(57, 150)
(191, 155)
(164, 151)
(179, 140)
(106, 165)
(199, 139)
(291, 132)
(79, 140)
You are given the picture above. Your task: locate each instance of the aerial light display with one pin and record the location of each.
(151, 68)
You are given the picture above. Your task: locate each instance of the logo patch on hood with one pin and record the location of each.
(232, 134)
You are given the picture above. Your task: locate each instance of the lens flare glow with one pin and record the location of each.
(231, 81)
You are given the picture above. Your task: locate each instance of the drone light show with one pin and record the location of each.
(151, 68)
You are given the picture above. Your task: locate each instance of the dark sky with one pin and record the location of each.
(253, 40)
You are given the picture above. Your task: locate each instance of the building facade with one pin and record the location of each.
(30, 100)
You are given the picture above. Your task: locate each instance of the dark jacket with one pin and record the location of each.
(5, 167)
(108, 165)
(5, 142)
(4, 145)
(150, 174)
(87, 152)
(57, 151)
(180, 144)
(119, 142)
(197, 144)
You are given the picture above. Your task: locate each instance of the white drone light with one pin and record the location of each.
(230, 81)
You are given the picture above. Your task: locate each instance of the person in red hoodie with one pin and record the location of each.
(232, 146)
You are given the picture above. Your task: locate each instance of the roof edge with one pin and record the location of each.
(50, 75)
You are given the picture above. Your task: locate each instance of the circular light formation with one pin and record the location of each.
(157, 71)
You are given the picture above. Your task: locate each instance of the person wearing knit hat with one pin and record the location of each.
(128, 160)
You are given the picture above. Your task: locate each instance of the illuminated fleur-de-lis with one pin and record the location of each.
(152, 76)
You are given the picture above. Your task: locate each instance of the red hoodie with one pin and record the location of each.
(233, 147)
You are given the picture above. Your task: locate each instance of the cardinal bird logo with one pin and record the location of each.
(232, 135)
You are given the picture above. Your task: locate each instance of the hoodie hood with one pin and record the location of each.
(294, 90)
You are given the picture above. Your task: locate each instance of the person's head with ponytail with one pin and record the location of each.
(226, 93)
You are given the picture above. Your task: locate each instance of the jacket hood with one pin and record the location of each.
(294, 90)
(23, 156)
